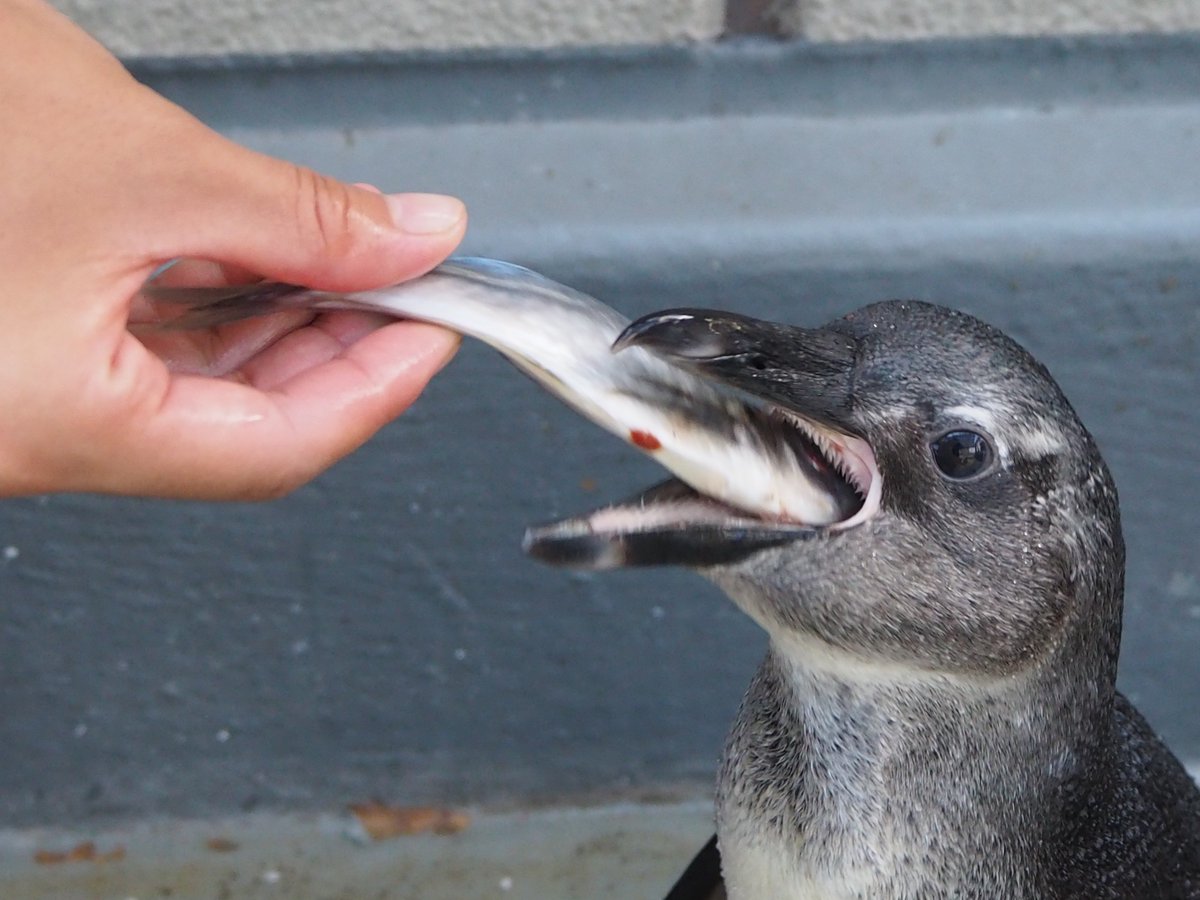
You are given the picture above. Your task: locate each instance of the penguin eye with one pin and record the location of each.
(961, 454)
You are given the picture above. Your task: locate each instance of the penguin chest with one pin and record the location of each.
(761, 869)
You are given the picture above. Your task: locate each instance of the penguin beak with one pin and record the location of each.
(801, 377)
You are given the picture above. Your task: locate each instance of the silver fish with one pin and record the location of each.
(722, 445)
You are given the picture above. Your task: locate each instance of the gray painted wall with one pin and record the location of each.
(379, 632)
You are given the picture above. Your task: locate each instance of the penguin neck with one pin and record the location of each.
(909, 725)
(881, 713)
(905, 778)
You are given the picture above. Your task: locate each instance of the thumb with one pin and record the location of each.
(289, 223)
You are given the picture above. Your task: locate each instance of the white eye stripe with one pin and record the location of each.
(980, 415)
(1037, 440)
(1033, 437)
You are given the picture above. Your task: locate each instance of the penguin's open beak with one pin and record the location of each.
(801, 377)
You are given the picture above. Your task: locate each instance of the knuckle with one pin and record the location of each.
(324, 213)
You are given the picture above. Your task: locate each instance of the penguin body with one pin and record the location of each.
(937, 714)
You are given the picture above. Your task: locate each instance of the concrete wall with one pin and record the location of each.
(139, 28)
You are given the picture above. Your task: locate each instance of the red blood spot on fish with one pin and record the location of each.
(645, 440)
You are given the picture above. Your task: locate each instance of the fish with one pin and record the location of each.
(734, 451)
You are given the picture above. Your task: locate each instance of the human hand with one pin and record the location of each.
(104, 181)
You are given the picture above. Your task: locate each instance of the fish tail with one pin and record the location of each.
(185, 308)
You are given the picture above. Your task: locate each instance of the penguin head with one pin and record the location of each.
(983, 522)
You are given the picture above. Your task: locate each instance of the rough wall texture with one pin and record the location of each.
(138, 28)
(146, 28)
(848, 20)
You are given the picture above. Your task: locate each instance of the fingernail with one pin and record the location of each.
(425, 213)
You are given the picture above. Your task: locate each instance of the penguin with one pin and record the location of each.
(936, 715)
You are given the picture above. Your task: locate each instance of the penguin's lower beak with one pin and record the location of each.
(670, 524)
(800, 377)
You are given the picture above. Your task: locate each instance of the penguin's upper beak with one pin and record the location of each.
(802, 377)
(806, 370)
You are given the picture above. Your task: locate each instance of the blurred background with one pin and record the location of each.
(200, 692)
